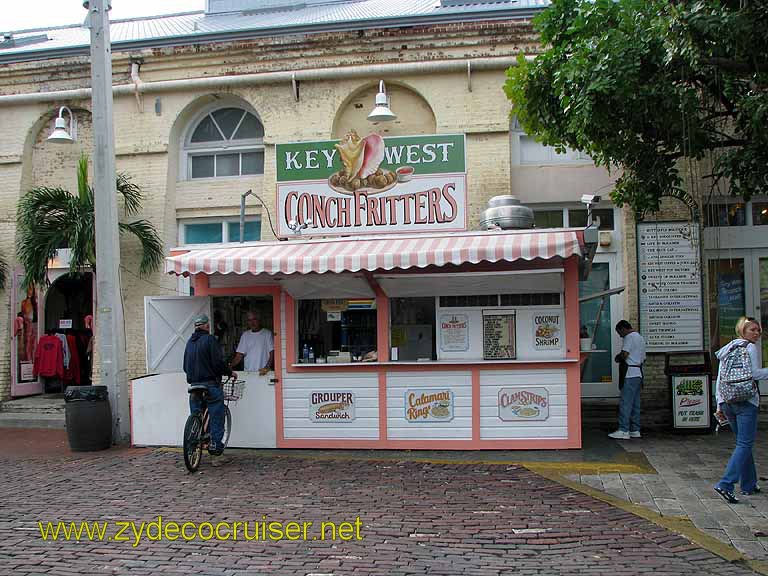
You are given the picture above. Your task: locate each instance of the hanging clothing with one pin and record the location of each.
(65, 346)
(72, 371)
(49, 358)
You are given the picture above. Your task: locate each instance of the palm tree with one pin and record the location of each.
(3, 272)
(52, 218)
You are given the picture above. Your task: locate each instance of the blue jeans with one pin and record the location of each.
(741, 466)
(215, 414)
(629, 405)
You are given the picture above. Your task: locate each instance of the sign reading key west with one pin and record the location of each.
(372, 185)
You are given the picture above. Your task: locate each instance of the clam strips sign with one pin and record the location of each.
(372, 185)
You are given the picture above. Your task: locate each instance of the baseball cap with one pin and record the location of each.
(200, 320)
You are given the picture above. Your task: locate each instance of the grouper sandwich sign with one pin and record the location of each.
(372, 185)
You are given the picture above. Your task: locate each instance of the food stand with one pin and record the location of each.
(426, 336)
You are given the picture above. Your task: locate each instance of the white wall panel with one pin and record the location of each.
(494, 428)
(297, 389)
(459, 428)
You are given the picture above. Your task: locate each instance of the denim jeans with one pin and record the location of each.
(629, 405)
(741, 466)
(215, 414)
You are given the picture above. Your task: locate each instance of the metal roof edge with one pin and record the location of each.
(247, 34)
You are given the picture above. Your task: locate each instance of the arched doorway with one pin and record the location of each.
(68, 313)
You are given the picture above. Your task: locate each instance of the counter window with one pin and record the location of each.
(467, 301)
(412, 329)
(336, 331)
(542, 299)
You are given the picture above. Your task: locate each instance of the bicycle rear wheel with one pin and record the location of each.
(193, 442)
(227, 426)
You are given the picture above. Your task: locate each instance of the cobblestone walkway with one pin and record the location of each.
(417, 518)
(688, 467)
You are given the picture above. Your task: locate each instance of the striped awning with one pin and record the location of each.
(379, 253)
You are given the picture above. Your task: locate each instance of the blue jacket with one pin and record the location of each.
(203, 361)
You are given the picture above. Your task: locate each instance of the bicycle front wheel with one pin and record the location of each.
(193, 442)
(227, 426)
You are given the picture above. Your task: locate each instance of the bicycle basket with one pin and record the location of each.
(233, 389)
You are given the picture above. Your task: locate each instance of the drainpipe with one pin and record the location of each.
(286, 77)
(137, 82)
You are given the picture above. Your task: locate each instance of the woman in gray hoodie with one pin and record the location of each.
(742, 416)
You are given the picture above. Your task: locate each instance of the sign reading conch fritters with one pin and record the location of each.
(372, 185)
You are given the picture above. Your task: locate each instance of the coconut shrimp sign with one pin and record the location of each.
(372, 185)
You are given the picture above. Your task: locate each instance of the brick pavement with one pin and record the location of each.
(688, 467)
(418, 518)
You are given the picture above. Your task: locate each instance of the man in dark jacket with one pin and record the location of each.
(204, 364)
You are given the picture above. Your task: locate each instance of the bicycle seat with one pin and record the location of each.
(197, 388)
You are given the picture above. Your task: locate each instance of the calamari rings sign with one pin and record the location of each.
(429, 405)
(372, 185)
(520, 404)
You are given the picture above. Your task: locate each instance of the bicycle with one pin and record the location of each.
(197, 436)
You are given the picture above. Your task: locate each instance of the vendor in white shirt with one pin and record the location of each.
(257, 346)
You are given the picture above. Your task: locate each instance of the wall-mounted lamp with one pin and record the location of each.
(381, 113)
(60, 133)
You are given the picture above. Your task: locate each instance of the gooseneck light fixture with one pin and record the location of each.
(381, 113)
(60, 133)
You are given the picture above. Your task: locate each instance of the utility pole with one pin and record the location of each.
(110, 335)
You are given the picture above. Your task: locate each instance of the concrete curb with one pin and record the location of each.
(682, 526)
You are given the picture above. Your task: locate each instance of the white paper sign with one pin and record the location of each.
(547, 331)
(669, 282)
(454, 332)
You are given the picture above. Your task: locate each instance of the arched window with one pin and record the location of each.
(225, 142)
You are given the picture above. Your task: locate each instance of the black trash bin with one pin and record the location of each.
(89, 418)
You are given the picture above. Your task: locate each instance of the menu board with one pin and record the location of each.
(499, 335)
(669, 282)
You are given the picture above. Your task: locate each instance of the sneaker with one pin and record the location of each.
(755, 490)
(635, 434)
(619, 435)
(726, 495)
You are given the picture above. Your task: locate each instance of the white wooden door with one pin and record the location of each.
(168, 324)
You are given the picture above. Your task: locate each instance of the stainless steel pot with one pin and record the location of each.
(507, 213)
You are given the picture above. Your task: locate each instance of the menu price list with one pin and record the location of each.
(499, 336)
(670, 286)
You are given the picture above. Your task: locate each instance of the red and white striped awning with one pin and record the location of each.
(379, 253)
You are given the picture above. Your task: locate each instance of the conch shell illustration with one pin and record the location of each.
(361, 156)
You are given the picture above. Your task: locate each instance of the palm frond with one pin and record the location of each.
(83, 189)
(131, 193)
(152, 247)
(3, 272)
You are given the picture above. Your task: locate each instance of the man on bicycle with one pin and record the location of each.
(204, 364)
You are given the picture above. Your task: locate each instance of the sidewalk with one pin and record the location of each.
(687, 467)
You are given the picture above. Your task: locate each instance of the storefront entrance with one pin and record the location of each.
(738, 286)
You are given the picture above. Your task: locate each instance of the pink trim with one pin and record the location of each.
(476, 403)
(290, 334)
(522, 444)
(573, 372)
(382, 320)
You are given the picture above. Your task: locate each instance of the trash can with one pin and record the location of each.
(88, 417)
(690, 384)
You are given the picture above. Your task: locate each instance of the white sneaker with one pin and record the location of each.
(619, 435)
(634, 434)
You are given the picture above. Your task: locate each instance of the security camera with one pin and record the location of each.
(590, 199)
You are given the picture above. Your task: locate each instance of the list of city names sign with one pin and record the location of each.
(670, 286)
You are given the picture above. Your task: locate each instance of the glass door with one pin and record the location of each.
(738, 286)
(599, 373)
